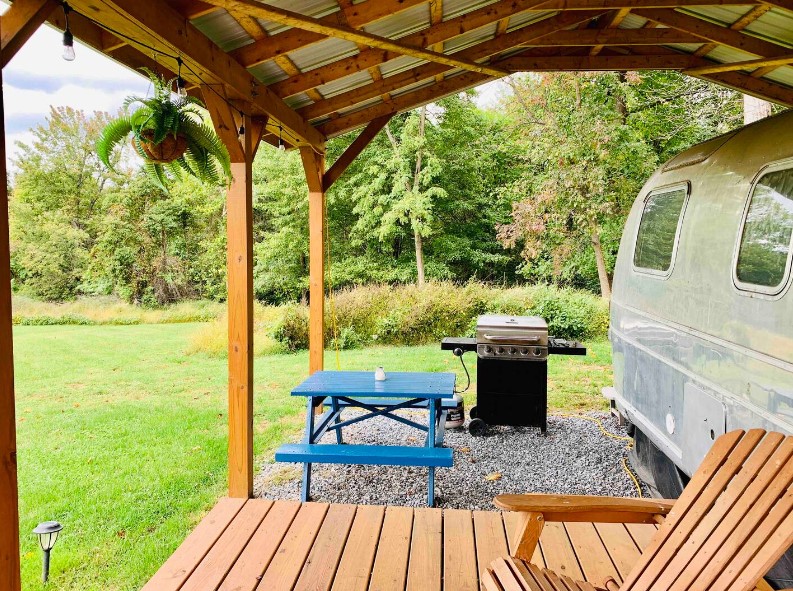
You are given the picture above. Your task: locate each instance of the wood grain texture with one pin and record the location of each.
(20, 21)
(459, 551)
(224, 553)
(9, 492)
(251, 564)
(291, 555)
(425, 566)
(325, 554)
(189, 555)
(239, 261)
(357, 561)
(491, 538)
(314, 168)
(393, 551)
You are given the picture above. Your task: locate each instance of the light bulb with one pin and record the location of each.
(181, 86)
(68, 46)
(281, 146)
(241, 131)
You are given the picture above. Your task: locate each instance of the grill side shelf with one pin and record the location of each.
(564, 347)
(452, 343)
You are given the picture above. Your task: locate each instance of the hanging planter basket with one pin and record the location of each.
(171, 148)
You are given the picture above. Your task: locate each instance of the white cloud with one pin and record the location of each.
(38, 78)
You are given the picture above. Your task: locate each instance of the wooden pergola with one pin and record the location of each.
(302, 71)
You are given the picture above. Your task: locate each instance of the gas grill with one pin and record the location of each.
(512, 369)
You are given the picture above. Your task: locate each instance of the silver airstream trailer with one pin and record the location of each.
(702, 305)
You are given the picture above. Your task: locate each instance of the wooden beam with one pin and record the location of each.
(740, 24)
(239, 235)
(634, 4)
(588, 37)
(743, 65)
(758, 87)
(354, 150)
(191, 9)
(426, 37)
(404, 102)
(160, 26)
(307, 23)
(356, 16)
(525, 35)
(224, 122)
(713, 33)
(9, 490)
(783, 4)
(20, 21)
(314, 167)
(601, 63)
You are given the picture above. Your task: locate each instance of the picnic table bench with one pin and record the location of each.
(433, 392)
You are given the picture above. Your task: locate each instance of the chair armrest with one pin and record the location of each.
(586, 508)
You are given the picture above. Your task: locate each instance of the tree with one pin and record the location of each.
(583, 166)
(56, 201)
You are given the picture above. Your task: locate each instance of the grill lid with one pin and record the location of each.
(532, 324)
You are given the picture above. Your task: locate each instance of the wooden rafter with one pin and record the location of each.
(354, 150)
(159, 25)
(632, 4)
(525, 35)
(743, 65)
(424, 38)
(739, 25)
(296, 19)
(99, 39)
(191, 9)
(612, 22)
(602, 63)
(713, 33)
(404, 102)
(754, 86)
(357, 15)
(604, 37)
(19, 23)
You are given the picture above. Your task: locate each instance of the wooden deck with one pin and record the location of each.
(285, 545)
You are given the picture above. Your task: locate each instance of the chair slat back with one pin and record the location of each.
(733, 521)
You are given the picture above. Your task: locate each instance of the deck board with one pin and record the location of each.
(285, 546)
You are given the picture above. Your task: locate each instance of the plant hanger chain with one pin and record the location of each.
(179, 63)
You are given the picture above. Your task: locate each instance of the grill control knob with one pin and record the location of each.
(524, 351)
(511, 350)
(537, 351)
(500, 350)
(488, 349)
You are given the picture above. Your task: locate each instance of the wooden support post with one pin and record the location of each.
(314, 166)
(239, 232)
(20, 22)
(9, 492)
(354, 150)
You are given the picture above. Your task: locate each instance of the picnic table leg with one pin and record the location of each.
(431, 485)
(335, 404)
(305, 489)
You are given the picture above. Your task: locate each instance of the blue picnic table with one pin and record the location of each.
(341, 390)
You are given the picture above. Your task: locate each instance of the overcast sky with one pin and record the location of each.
(39, 77)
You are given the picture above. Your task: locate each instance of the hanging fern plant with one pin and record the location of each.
(169, 133)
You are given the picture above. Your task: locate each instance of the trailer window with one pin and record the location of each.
(658, 229)
(763, 256)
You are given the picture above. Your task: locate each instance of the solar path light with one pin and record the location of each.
(48, 535)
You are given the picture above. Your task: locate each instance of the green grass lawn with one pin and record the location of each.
(122, 436)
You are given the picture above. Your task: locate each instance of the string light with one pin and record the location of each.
(181, 85)
(68, 38)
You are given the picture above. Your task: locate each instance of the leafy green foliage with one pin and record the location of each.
(154, 119)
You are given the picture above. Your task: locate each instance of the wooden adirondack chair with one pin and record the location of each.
(732, 523)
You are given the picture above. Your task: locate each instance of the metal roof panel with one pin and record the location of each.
(453, 8)
(345, 84)
(322, 53)
(402, 23)
(782, 75)
(223, 29)
(315, 8)
(268, 72)
(470, 38)
(400, 64)
(526, 18)
(775, 25)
